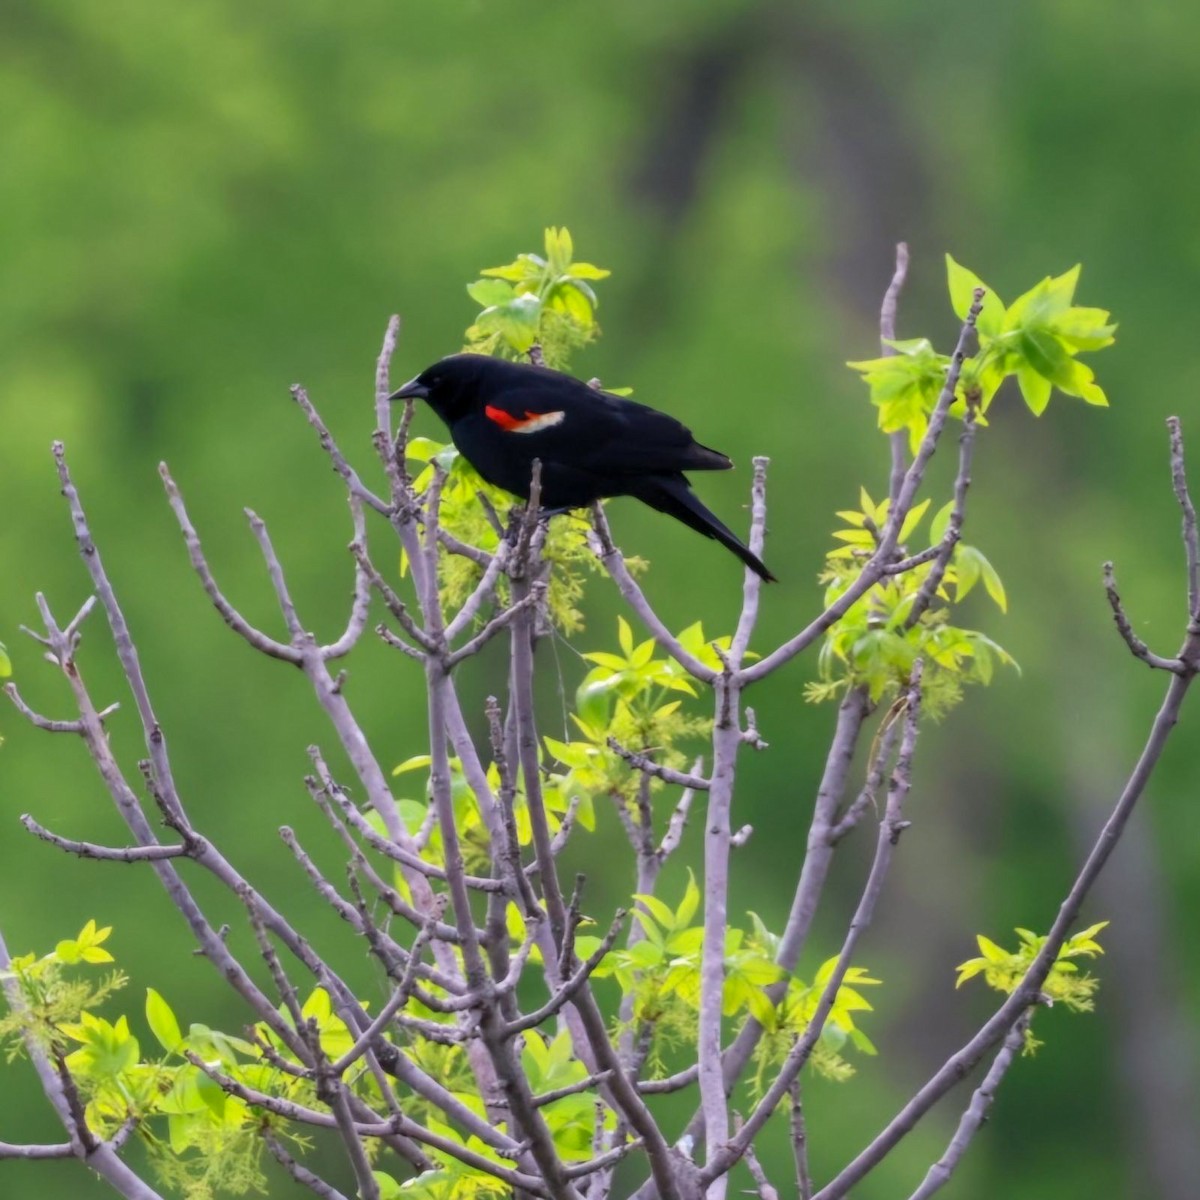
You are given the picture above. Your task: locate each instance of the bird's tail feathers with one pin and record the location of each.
(674, 497)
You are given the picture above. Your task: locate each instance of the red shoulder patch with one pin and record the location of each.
(531, 423)
(504, 419)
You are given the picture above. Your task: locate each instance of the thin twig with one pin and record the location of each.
(1191, 538)
(126, 854)
(887, 335)
(976, 1113)
(49, 725)
(799, 1140)
(300, 1173)
(230, 615)
(1137, 647)
(640, 762)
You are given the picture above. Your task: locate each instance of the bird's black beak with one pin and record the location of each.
(414, 389)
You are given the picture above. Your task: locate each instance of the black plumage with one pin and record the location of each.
(591, 444)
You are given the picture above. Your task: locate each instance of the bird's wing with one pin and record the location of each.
(571, 422)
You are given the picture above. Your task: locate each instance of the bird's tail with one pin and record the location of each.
(673, 496)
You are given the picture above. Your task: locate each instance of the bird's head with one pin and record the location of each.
(450, 386)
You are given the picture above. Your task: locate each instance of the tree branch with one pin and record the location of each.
(973, 1119)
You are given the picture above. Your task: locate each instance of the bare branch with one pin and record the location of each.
(1137, 647)
(950, 539)
(799, 1140)
(230, 615)
(56, 1150)
(485, 589)
(299, 1173)
(361, 606)
(46, 723)
(336, 458)
(328, 790)
(677, 822)
(125, 854)
(881, 752)
(614, 563)
(398, 1123)
(752, 583)
(887, 335)
(1026, 993)
(726, 740)
(1191, 539)
(275, 572)
(500, 622)
(817, 859)
(570, 986)
(973, 1119)
(640, 762)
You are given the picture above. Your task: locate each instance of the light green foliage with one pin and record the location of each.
(1003, 969)
(201, 1140)
(549, 1063)
(632, 697)
(5, 662)
(876, 642)
(788, 1020)
(661, 971)
(52, 996)
(537, 300)
(1036, 339)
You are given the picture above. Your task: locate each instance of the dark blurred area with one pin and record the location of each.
(201, 204)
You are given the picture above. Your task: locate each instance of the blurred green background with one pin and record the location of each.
(201, 204)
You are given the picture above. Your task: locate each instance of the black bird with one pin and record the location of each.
(591, 444)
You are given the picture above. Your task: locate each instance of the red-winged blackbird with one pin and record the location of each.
(591, 444)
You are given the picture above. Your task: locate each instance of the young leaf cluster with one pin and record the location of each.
(1037, 340)
(905, 617)
(661, 972)
(1004, 969)
(537, 300)
(201, 1141)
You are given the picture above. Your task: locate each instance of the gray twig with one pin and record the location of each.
(641, 762)
(1191, 539)
(887, 335)
(1137, 647)
(127, 854)
(976, 1113)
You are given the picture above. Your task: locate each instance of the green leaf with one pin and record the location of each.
(940, 522)
(415, 763)
(1085, 328)
(912, 520)
(658, 909)
(584, 270)
(1035, 388)
(162, 1022)
(963, 283)
(625, 636)
(5, 662)
(389, 1189)
(489, 292)
(688, 905)
(992, 584)
(991, 951)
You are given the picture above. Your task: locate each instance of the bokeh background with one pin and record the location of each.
(201, 204)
